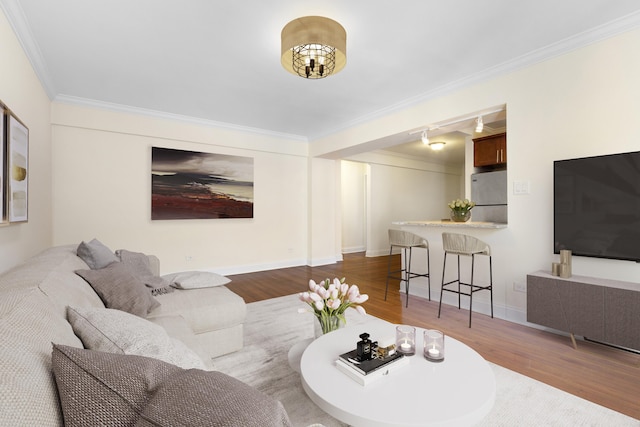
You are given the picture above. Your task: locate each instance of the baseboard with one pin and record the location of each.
(252, 268)
(315, 262)
(353, 249)
(376, 252)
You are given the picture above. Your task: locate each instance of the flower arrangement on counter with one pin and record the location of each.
(459, 205)
(330, 299)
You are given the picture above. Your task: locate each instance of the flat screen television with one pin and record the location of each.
(597, 206)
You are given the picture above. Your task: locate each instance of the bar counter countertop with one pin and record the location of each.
(452, 224)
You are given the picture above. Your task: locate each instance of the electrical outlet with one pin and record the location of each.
(188, 258)
(520, 286)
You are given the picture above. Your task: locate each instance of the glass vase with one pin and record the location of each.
(328, 323)
(460, 216)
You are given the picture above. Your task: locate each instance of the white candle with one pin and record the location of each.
(434, 352)
(405, 346)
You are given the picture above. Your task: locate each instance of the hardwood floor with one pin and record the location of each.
(601, 374)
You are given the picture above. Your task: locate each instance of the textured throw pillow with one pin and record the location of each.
(95, 254)
(118, 288)
(195, 279)
(115, 331)
(98, 388)
(141, 267)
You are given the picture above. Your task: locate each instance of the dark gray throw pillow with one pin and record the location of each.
(97, 388)
(95, 254)
(119, 288)
(141, 267)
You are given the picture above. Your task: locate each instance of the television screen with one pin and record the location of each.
(597, 206)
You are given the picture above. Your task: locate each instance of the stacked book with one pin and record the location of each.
(366, 371)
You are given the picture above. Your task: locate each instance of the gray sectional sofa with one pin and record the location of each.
(47, 308)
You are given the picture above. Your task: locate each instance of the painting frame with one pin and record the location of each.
(189, 184)
(4, 220)
(17, 172)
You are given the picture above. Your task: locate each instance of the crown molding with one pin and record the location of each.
(15, 15)
(603, 32)
(119, 108)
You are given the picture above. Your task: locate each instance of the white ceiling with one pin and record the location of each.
(219, 61)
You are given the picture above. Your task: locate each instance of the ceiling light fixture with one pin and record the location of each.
(425, 137)
(456, 121)
(479, 124)
(437, 145)
(313, 47)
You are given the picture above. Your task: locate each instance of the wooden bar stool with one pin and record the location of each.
(462, 244)
(406, 241)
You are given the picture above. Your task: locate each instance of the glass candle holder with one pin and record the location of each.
(406, 340)
(434, 345)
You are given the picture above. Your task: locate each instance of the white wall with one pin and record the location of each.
(399, 189)
(22, 92)
(579, 104)
(353, 201)
(324, 212)
(102, 181)
(400, 194)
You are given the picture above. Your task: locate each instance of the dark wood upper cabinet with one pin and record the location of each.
(490, 150)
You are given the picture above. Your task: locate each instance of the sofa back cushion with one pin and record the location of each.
(34, 270)
(52, 270)
(29, 323)
(62, 285)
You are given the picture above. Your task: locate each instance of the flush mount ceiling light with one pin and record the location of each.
(437, 145)
(479, 124)
(313, 47)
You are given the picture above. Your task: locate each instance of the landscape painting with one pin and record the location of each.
(195, 185)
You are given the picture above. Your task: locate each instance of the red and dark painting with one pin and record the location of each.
(194, 185)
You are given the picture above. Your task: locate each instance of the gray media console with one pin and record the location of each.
(601, 310)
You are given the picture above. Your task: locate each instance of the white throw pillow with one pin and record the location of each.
(196, 279)
(115, 331)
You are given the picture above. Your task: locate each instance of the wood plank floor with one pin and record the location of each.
(601, 374)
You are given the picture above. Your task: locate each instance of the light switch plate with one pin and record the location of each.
(521, 187)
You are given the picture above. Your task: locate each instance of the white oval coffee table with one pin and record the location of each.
(459, 391)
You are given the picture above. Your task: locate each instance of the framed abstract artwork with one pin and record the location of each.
(196, 185)
(17, 152)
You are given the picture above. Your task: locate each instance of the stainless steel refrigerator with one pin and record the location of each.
(489, 192)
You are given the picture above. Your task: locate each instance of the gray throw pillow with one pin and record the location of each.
(115, 331)
(97, 388)
(119, 288)
(95, 254)
(141, 267)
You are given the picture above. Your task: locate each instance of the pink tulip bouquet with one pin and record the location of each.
(329, 300)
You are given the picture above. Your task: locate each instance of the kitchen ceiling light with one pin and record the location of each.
(479, 124)
(425, 137)
(313, 47)
(437, 145)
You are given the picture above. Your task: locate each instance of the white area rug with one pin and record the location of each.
(274, 326)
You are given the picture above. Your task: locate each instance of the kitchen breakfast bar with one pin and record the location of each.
(494, 234)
